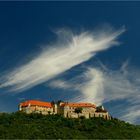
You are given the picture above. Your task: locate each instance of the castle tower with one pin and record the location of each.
(55, 108)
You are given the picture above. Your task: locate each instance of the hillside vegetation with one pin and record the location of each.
(36, 126)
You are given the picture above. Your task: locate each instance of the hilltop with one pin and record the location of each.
(19, 125)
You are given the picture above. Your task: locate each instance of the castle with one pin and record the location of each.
(67, 109)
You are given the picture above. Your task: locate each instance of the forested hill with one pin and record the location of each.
(36, 126)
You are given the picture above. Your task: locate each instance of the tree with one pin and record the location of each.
(78, 110)
(99, 109)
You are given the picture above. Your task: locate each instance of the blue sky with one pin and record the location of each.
(73, 51)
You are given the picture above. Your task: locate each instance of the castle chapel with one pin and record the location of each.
(67, 109)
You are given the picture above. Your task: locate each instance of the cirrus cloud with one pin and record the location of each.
(101, 85)
(70, 50)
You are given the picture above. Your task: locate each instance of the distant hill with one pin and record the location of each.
(36, 126)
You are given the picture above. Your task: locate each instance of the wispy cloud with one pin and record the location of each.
(61, 84)
(102, 85)
(98, 84)
(123, 86)
(132, 114)
(90, 84)
(69, 50)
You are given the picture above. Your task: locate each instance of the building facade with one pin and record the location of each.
(67, 109)
(33, 106)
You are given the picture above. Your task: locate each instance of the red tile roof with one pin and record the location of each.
(35, 103)
(78, 105)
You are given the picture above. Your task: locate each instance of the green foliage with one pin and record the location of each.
(19, 125)
(78, 110)
(99, 108)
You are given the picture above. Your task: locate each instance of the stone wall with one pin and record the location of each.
(66, 111)
(37, 109)
(87, 112)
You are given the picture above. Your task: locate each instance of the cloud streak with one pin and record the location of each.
(101, 85)
(89, 85)
(98, 84)
(69, 50)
